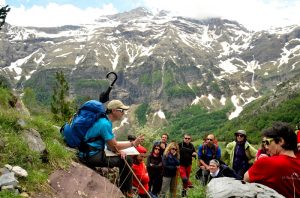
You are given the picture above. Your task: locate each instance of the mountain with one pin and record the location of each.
(167, 62)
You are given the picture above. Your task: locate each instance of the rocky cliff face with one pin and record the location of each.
(160, 59)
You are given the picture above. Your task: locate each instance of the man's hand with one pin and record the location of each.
(122, 154)
(138, 140)
(194, 155)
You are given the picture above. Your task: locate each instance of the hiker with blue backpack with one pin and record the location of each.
(101, 130)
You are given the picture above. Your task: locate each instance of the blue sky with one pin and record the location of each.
(121, 5)
(253, 14)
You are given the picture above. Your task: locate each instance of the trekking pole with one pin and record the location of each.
(104, 96)
(176, 182)
(137, 178)
(134, 174)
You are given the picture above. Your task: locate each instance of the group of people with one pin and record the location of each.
(165, 163)
(276, 164)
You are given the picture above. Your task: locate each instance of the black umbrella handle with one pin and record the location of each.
(115, 75)
(104, 96)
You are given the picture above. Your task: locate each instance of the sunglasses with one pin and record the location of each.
(121, 110)
(209, 139)
(156, 148)
(187, 138)
(174, 149)
(240, 135)
(267, 141)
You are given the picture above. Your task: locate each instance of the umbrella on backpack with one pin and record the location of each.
(104, 96)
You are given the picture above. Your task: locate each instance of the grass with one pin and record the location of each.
(198, 191)
(7, 194)
(16, 152)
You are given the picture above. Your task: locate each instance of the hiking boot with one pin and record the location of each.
(183, 193)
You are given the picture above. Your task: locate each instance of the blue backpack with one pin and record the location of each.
(75, 131)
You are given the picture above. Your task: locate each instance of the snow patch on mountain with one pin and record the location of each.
(195, 101)
(40, 59)
(211, 98)
(30, 74)
(228, 67)
(282, 30)
(16, 66)
(160, 114)
(78, 59)
(64, 55)
(238, 109)
(286, 54)
(223, 100)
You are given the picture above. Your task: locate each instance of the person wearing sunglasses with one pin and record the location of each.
(262, 151)
(241, 153)
(207, 151)
(97, 158)
(280, 171)
(163, 143)
(170, 161)
(187, 152)
(154, 167)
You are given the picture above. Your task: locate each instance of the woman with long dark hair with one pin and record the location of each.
(154, 167)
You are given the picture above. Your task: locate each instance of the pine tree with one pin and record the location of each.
(60, 106)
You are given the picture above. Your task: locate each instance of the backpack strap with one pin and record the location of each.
(214, 150)
(204, 151)
(84, 146)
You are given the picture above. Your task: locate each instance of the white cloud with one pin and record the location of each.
(2, 2)
(253, 14)
(56, 15)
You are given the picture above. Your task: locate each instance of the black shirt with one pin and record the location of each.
(186, 151)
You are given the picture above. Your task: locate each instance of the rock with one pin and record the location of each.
(20, 172)
(80, 181)
(24, 194)
(4, 170)
(8, 179)
(21, 108)
(225, 187)
(21, 123)
(34, 140)
(9, 167)
(8, 188)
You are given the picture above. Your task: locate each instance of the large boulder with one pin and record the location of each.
(80, 181)
(225, 187)
(34, 140)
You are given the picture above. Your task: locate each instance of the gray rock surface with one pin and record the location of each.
(225, 187)
(8, 179)
(34, 140)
